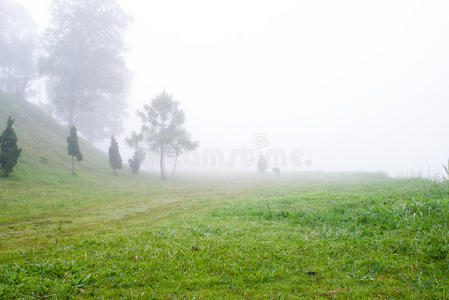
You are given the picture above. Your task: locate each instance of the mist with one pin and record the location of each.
(344, 86)
(224, 149)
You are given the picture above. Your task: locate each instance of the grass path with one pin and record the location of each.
(278, 238)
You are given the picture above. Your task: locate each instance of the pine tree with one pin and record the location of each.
(115, 160)
(9, 152)
(163, 121)
(73, 148)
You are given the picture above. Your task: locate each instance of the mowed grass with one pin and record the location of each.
(307, 235)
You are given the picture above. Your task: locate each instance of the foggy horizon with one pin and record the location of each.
(356, 86)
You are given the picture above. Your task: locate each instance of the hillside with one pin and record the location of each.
(308, 235)
(43, 143)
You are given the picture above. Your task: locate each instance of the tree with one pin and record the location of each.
(181, 144)
(115, 160)
(106, 110)
(162, 122)
(18, 43)
(73, 148)
(262, 164)
(134, 163)
(135, 141)
(85, 66)
(9, 151)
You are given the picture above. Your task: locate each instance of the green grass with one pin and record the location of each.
(305, 235)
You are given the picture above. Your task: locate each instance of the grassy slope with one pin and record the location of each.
(311, 235)
(43, 139)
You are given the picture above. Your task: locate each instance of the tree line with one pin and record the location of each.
(162, 132)
(81, 58)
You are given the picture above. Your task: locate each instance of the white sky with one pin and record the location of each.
(357, 85)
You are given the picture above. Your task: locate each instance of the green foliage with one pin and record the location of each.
(115, 160)
(73, 148)
(9, 151)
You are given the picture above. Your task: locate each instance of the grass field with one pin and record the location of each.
(304, 235)
(300, 236)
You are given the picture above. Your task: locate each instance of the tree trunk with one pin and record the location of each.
(71, 109)
(71, 117)
(162, 162)
(73, 165)
(174, 165)
(21, 90)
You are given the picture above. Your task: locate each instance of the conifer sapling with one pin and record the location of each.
(115, 160)
(9, 151)
(73, 148)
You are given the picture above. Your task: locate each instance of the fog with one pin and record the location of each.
(344, 85)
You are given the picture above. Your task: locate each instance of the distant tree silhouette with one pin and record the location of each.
(18, 44)
(115, 160)
(73, 148)
(88, 79)
(9, 151)
(262, 164)
(135, 162)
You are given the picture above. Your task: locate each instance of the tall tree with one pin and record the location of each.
(87, 74)
(9, 151)
(162, 121)
(73, 148)
(115, 160)
(18, 43)
(107, 110)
